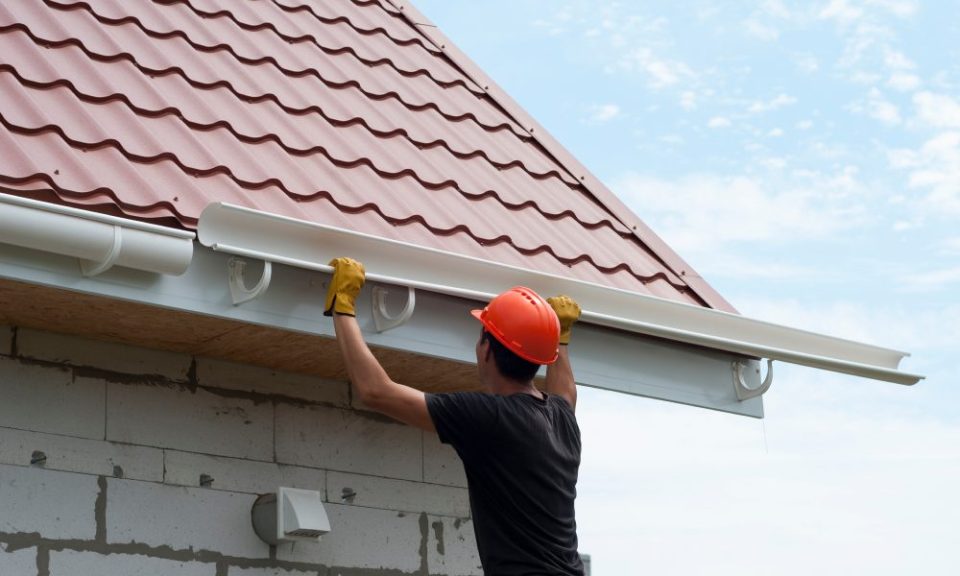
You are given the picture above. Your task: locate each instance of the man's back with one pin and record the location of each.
(521, 455)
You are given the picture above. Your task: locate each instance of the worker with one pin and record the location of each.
(520, 446)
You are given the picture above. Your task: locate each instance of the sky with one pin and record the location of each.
(805, 159)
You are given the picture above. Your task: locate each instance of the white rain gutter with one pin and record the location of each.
(272, 238)
(98, 240)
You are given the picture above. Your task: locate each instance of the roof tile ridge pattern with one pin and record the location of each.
(606, 198)
(270, 136)
(406, 99)
(539, 174)
(590, 224)
(92, 145)
(432, 74)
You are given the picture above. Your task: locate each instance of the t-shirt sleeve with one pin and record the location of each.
(463, 419)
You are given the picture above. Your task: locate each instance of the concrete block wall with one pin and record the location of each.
(123, 460)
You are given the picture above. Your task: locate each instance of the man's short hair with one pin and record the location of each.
(508, 363)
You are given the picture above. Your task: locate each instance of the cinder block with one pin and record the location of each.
(239, 475)
(221, 374)
(338, 439)
(400, 495)
(49, 399)
(182, 518)
(200, 421)
(452, 547)
(109, 356)
(6, 340)
(364, 538)
(69, 563)
(20, 563)
(441, 464)
(233, 571)
(81, 455)
(56, 505)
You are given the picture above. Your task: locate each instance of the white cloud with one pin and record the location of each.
(777, 9)
(599, 113)
(719, 122)
(937, 110)
(934, 280)
(951, 246)
(804, 125)
(904, 82)
(899, 8)
(775, 133)
(659, 72)
(934, 168)
(841, 11)
(688, 100)
(807, 63)
(895, 60)
(760, 30)
(878, 108)
(779, 101)
(696, 214)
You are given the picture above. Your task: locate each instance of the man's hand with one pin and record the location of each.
(348, 277)
(568, 311)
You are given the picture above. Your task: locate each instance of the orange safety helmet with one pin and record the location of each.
(523, 322)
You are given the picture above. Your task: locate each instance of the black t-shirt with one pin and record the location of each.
(521, 455)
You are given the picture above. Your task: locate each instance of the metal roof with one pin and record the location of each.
(341, 113)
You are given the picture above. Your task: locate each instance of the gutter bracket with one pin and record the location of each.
(381, 318)
(238, 289)
(91, 268)
(741, 388)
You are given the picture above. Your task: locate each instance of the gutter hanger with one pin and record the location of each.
(98, 240)
(273, 238)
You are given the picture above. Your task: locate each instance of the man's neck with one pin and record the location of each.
(507, 387)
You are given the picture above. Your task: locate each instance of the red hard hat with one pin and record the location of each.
(523, 322)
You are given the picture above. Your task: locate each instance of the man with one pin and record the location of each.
(520, 446)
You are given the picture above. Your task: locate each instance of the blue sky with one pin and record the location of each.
(805, 159)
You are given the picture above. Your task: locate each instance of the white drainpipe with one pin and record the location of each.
(97, 240)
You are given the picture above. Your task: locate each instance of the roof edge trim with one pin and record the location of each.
(280, 239)
(99, 241)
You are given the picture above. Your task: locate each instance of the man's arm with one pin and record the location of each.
(559, 374)
(368, 378)
(370, 381)
(560, 378)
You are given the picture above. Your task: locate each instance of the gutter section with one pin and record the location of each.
(272, 238)
(99, 241)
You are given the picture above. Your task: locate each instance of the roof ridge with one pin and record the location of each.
(604, 197)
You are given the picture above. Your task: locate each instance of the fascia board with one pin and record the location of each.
(441, 326)
(270, 237)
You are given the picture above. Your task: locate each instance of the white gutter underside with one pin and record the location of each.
(99, 241)
(301, 244)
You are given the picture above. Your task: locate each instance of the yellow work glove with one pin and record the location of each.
(348, 277)
(568, 311)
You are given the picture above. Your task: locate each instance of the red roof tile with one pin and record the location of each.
(335, 112)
